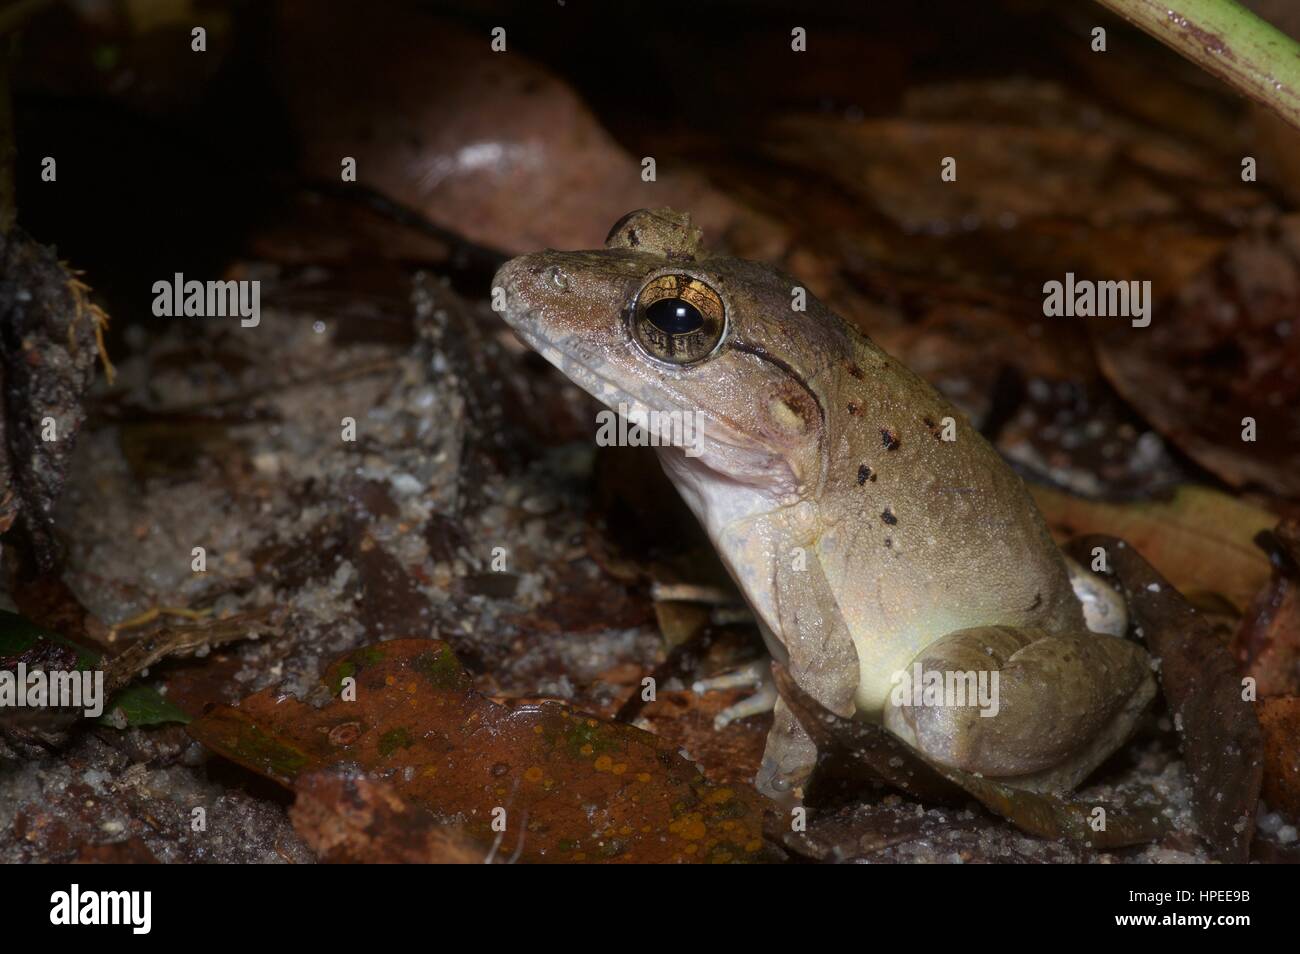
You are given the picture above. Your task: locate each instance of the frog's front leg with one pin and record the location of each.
(1054, 707)
(815, 641)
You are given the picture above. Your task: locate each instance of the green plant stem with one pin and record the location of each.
(1224, 38)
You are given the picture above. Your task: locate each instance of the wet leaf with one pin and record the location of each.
(573, 787)
(347, 817)
(551, 175)
(1268, 640)
(684, 720)
(1204, 691)
(1225, 353)
(141, 705)
(1280, 720)
(888, 830)
(1201, 540)
(22, 640)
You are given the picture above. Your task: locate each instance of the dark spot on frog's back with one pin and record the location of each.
(864, 474)
(888, 517)
(889, 439)
(854, 370)
(854, 409)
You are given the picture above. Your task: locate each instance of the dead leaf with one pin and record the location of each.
(572, 787)
(1226, 352)
(351, 819)
(1219, 730)
(1280, 720)
(1201, 540)
(885, 830)
(506, 153)
(1268, 640)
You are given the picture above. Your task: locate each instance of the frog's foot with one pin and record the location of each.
(756, 675)
(788, 759)
(1031, 709)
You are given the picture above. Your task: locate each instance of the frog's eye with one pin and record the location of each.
(677, 318)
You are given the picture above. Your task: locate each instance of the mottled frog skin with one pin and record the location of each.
(863, 540)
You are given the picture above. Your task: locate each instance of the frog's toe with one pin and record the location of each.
(759, 702)
(749, 676)
(788, 759)
(756, 675)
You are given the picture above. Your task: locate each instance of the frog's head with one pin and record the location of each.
(659, 331)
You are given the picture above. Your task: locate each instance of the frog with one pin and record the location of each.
(874, 533)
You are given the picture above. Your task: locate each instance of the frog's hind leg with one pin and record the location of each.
(1034, 710)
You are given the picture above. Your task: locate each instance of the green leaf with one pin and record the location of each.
(141, 705)
(135, 705)
(18, 634)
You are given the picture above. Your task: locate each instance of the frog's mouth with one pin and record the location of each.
(706, 441)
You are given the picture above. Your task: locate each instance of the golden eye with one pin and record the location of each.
(677, 318)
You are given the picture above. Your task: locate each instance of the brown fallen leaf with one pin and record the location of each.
(506, 153)
(1203, 689)
(1267, 642)
(352, 819)
(1201, 540)
(1224, 353)
(885, 830)
(569, 786)
(133, 851)
(1280, 720)
(684, 720)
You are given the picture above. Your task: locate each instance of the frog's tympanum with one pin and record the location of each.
(875, 534)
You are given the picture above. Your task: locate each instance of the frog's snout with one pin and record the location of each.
(512, 295)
